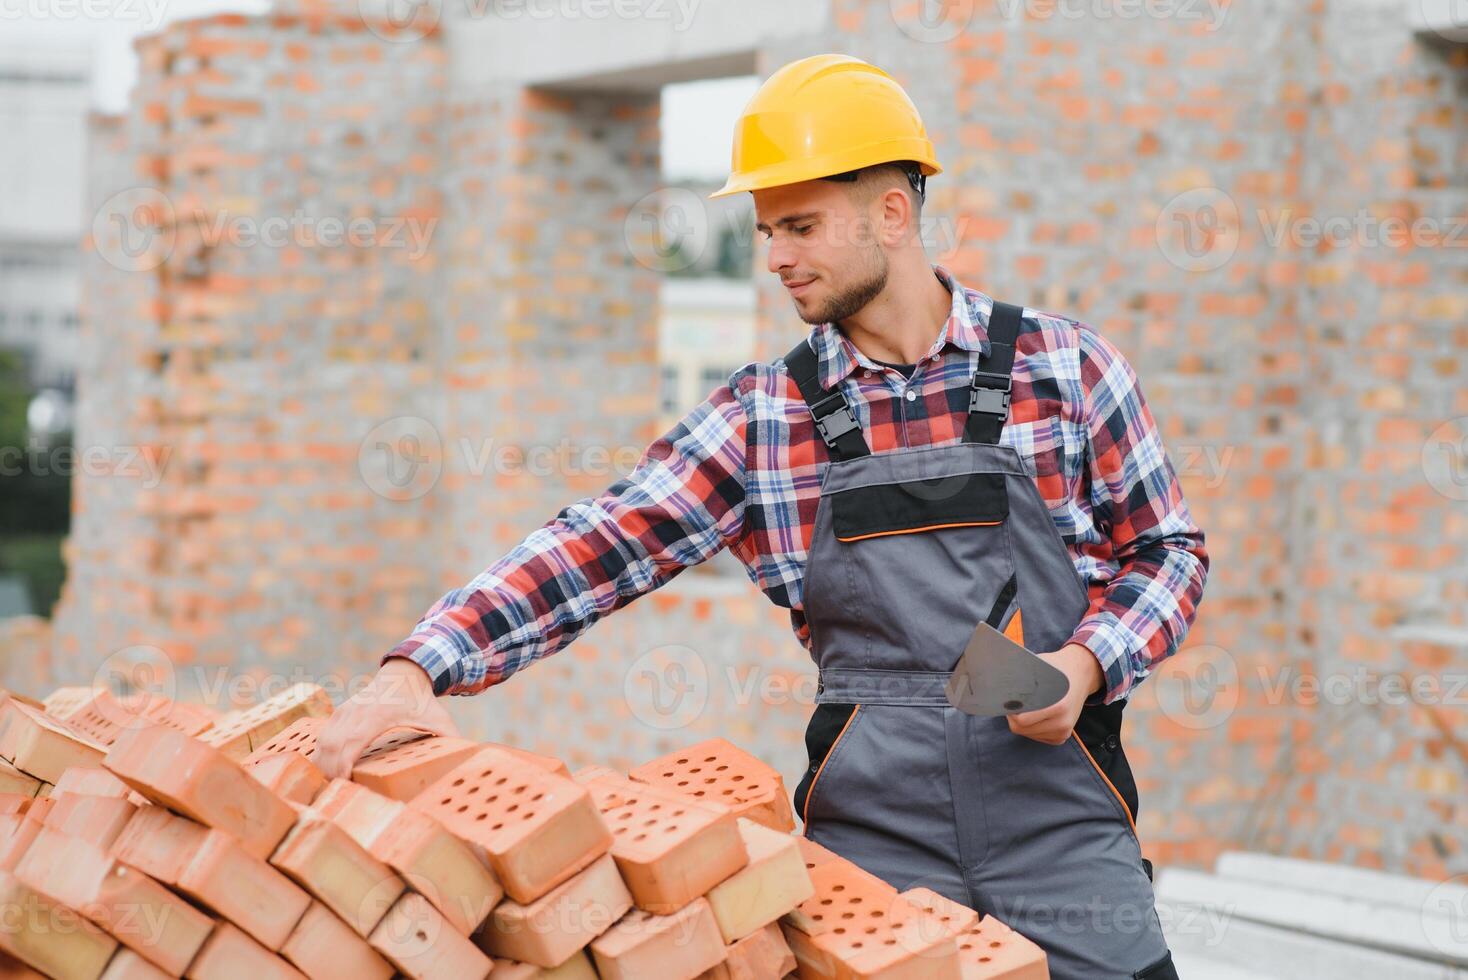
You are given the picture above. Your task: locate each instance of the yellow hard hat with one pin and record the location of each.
(824, 115)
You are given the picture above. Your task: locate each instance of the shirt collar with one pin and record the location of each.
(967, 328)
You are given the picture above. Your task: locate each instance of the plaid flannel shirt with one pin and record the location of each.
(742, 471)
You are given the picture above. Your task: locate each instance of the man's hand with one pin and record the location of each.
(401, 695)
(1053, 725)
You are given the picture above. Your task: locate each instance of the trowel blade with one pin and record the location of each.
(996, 676)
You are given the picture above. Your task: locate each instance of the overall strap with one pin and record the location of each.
(834, 418)
(988, 400)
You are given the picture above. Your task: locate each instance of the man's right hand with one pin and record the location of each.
(401, 695)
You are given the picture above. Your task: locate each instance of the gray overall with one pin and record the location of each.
(912, 548)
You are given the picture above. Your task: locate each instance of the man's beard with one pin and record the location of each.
(871, 280)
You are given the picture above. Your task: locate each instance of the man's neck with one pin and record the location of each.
(900, 325)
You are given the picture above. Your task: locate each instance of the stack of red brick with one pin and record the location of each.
(147, 838)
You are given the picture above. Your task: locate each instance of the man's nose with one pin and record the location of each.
(781, 255)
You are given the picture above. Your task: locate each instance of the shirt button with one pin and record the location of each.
(911, 395)
(866, 374)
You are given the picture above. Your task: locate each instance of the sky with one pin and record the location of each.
(698, 118)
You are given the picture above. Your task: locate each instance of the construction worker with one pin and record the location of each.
(927, 459)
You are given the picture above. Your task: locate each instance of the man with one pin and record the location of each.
(926, 460)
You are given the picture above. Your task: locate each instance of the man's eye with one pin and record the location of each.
(803, 229)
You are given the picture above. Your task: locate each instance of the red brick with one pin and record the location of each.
(773, 883)
(134, 908)
(417, 940)
(128, 965)
(359, 811)
(186, 775)
(401, 772)
(324, 947)
(948, 914)
(51, 937)
(98, 819)
(159, 843)
(244, 889)
(64, 700)
(762, 954)
(16, 835)
(323, 859)
(289, 776)
(91, 780)
(537, 828)
(679, 946)
(238, 734)
(550, 930)
(578, 967)
(229, 954)
(719, 771)
(40, 745)
(990, 949)
(438, 866)
(298, 737)
(13, 782)
(669, 848)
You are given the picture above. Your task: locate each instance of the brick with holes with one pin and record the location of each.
(138, 911)
(868, 930)
(991, 950)
(762, 954)
(773, 883)
(42, 746)
(64, 700)
(678, 946)
(159, 843)
(191, 719)
(237, 734)
(537, 828)
(230, 954)
(554, 927)
(183, 774)
(298, 737)
(323, 947)
(949, 914)
(401, 772)
(670, 849)
(289, 776)
(323, 858)
(247, 891)
(57, 940)
(416, 939)
(717, 770)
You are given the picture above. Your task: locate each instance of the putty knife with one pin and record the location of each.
(996, 676)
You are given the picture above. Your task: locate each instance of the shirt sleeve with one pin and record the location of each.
(1151, 563)
(681, 504)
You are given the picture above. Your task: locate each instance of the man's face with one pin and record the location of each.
(824, 248)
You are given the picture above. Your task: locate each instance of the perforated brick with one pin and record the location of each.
(718, 771)
(237, 734)
(42, 746)
(991, 950)
(298, 737)
(550, 930)
(402, 771)
(289, 776)
(669, 848)
(537, 828)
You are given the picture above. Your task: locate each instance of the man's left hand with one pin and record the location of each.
(1053, 725)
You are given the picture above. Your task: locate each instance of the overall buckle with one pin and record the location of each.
(988, 396)
(836, 422)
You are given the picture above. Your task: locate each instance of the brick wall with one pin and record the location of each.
(1299, 387)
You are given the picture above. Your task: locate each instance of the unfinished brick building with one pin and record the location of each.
(1311, 394)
